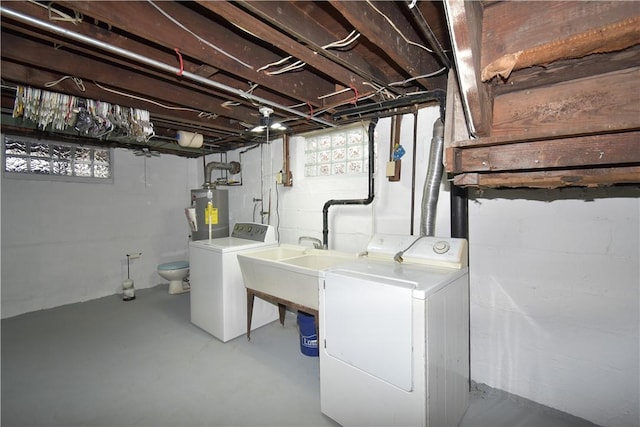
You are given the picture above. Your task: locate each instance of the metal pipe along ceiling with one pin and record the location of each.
(151, 62)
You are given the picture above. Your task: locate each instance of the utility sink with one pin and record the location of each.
(290, 272)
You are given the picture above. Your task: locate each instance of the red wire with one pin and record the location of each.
(355, 98)
(310, 116)
(181, 63)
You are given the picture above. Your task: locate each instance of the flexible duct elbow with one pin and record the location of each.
(432, 182)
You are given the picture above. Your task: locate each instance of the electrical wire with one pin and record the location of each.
(201, 114)
(273, 64)
(338, 92)
(229, 104)
(76, 80)
(211, 45)
(344, 42)
(424, 76)
(296, 65)
(381, 90)
(350, 38)
(398, 257)
(62, 16)
(397, 29)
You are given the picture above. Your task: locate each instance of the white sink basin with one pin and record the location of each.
(279, 252)
(290, 272)
(317, 262)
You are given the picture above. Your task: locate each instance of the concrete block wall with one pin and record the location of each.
(555, 298)
(554, 274)
(299, 208)
(65, 242)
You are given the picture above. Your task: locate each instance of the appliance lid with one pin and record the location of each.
(227, 244)
(423, 279)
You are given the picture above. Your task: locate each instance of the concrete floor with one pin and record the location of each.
(142, 363)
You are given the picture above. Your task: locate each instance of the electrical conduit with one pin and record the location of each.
(153, 63)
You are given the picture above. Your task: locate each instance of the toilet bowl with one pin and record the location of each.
(175, 272)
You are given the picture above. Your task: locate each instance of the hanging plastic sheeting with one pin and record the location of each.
(92, 118)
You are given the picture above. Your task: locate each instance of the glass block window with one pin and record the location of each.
(337, 152)
(54, 160)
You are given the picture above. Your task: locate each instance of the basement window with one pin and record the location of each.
(337, 152)
(41, 159)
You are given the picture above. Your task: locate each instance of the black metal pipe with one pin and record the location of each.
(424, 27)
(458, 196)
(379, 108)
(368, 200)
(459, 212)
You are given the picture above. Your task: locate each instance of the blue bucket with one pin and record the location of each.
(308, 337)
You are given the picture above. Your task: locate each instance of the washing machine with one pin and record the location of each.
(395, 335)
(218, 295)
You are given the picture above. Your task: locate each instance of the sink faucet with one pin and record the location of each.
(317, 243)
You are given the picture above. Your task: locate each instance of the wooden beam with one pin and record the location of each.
(513, 26)
(166, 56)
(158, 29)
(614, 37)
(66, 63)
(601, 103)
(455, 126)
(303, 41)
(566, 70)
(368, 19)
(600, 177)
(29, 75)
(595, 150)
(464, 19)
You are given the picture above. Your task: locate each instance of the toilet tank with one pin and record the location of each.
(220, 201)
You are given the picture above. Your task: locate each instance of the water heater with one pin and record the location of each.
(220, 201)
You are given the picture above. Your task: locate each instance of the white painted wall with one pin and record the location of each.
(64, 242)
(299, 208)
(555, 301)
(554, 274)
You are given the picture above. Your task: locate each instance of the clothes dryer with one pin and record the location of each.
(395, 335)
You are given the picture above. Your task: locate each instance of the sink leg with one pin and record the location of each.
(282, 309)
(250, 297)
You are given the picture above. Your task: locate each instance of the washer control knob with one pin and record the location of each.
(441, 247)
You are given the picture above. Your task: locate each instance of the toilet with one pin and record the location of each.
(176, 273)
